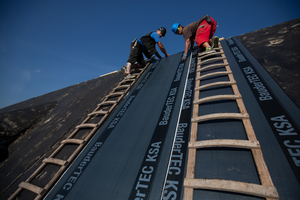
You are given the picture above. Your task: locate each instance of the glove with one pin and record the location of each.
(183, 59)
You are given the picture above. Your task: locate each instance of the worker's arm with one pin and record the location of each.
(187, 45)
(157, 55)
(162, 48)
(186, 50)
(192, 44)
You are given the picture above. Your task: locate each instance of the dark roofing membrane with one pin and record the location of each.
(276, 48)
(43, 122)
(51, 117)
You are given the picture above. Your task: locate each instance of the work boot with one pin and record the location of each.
(214, 42)
(209, 50)
(129, 76)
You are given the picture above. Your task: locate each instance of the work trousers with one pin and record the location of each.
(136, 53)
(205, 32)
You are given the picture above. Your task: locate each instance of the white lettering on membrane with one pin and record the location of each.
(285, 128)
(188, 94)
(168, 107)
(146, 175)
(179, 72)
(121, 112)
(257, 84)
(72, 180)
(144, 80)
(171, 189)
(238, 54)
(282, 125)
(230, 41)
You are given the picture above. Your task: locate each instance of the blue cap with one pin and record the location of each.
(175, 27)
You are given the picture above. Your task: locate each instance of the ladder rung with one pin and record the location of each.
(100, 112)
(107, 103)
(212, 66)
(265, 188)
(221, 83)
(233, 186)
(126, 80)
(220, 116)
(32, 188)
(136, 70)
(38, 190)
(123, 86)
(217, 97)
(75, 141)
(218, 48)
(204, 54)
(115, 94)
(214, 74)
(245, 144)
(87, 125)
(55, 161)
(131, 79)
(210, 60)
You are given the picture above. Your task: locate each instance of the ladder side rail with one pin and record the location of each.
(214, 74)
(212, 66)
(262, 168)
(233, 186)
(190, 172)
(266, 189)
(48, 186)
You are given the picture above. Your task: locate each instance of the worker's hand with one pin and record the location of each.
(183, 59)
(167, 55)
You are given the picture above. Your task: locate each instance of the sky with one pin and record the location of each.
(47, 45)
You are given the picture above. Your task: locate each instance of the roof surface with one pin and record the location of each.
(276, 48)
(132, 152)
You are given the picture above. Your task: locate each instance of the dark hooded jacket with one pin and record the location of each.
(149, 43)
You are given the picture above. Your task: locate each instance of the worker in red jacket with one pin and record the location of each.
(200, 31)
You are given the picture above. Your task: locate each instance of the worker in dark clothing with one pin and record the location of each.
(144, 45)
(201, 32)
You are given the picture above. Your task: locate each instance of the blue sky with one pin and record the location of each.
(47, 45)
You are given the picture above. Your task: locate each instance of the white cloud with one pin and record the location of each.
(25, 75)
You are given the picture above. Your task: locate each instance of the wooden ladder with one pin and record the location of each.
(266, 189)
(78, 139)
